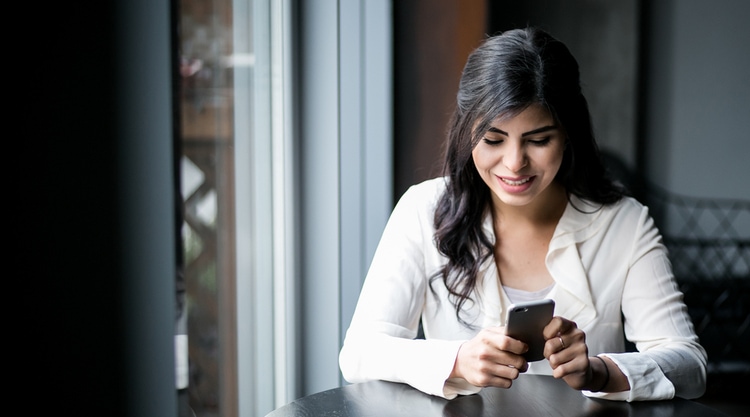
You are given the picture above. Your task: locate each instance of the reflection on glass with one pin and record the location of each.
(207, 178)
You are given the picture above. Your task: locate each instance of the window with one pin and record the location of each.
(226, 172)
(285, 167)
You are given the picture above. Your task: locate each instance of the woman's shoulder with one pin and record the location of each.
(418, 203)
(415, 210)
(626, 205)
(583, 214)
(426, 192)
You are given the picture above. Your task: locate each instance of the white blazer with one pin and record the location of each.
(612, 277)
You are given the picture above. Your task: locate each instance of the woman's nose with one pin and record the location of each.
(515, 158)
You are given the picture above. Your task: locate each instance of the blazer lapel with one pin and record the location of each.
(572, 294)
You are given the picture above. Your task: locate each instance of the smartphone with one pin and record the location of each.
(526, 321)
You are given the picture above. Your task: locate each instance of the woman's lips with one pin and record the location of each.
(516, 184)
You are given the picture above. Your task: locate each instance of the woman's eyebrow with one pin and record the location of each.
(530, 132)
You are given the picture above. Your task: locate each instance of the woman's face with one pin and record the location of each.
(519, 157)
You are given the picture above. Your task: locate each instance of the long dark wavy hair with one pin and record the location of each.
(501, 78)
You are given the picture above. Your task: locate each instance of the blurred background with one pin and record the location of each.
(222, 170)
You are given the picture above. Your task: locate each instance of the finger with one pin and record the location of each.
(509, 344)
(495, 381)
(558, 326)
(496, 349)
(504, 371)
(502, 359)
(492, 374)
(516, 362)
(575, 365)
(555, 327)
(555, 345)
(573, 353)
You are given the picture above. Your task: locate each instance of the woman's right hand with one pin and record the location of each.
(490, 359)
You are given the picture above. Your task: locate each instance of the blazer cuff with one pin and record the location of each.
(646, 379)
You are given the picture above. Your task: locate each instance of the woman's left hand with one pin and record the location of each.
(568, 355)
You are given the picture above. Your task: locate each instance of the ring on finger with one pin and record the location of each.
(562, 344)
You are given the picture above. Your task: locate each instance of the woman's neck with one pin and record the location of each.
(546, 209)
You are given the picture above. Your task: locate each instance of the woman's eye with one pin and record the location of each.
(540, 142)
(492, 141)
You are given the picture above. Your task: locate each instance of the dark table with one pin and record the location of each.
(530, 395)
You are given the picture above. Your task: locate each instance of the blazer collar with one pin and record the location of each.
(576, 224)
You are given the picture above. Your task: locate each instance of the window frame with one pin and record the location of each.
(313, 186)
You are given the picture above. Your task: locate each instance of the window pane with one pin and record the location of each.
(207, 166)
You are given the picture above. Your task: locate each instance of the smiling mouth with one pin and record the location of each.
(516, 183)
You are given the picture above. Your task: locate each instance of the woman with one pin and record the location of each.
(524, 212)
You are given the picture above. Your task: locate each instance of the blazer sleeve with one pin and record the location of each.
(670, 360)
(380, 343)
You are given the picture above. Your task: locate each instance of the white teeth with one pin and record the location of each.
(509, 182)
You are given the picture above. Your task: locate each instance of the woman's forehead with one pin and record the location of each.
(534, 114)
